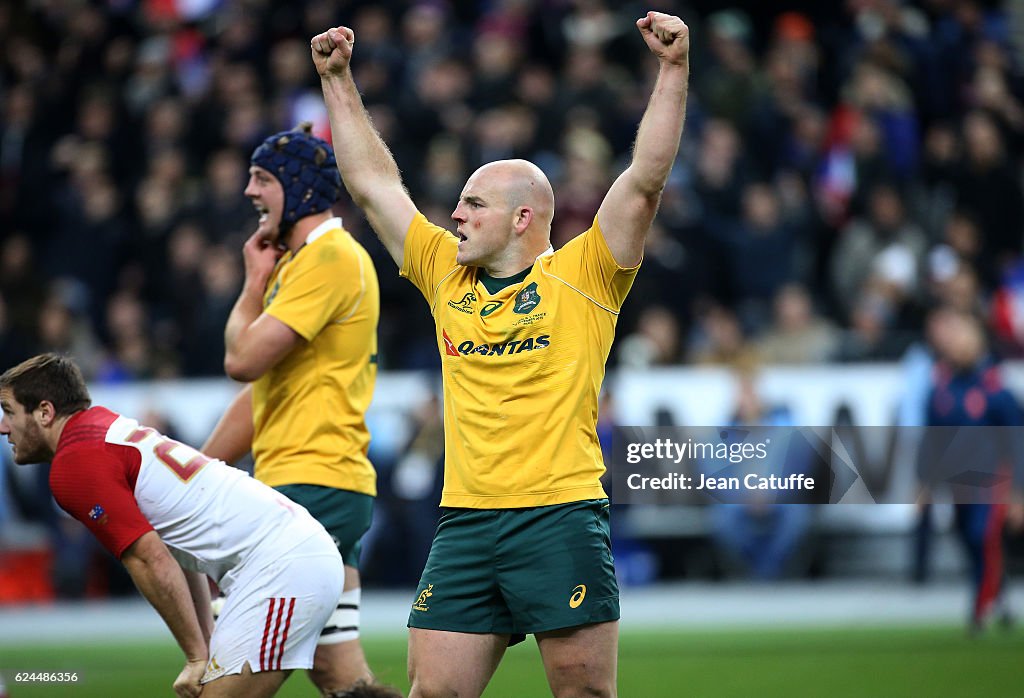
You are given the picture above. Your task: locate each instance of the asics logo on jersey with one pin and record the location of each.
(513, 346)
(578, 594)
(421, 600)
(490, 308)
(465, 305)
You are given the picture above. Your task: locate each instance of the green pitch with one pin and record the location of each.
(799, 662)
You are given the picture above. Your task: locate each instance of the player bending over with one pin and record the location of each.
(172, 515)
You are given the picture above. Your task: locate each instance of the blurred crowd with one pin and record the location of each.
(846, 166)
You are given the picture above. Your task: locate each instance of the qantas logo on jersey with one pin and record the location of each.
(449, 345)
(513, 346)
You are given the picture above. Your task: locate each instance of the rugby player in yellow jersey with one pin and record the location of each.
(303, 334)
(524, 332)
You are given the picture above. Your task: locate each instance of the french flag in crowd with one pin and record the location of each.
(309, 106)
(1008, 306)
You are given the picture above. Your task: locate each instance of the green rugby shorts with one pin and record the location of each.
(518, 571)
(346, 515)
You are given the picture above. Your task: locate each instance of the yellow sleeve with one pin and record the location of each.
(586, 263)
(429, 255)
(323, 283)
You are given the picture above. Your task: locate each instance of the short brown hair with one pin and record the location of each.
(50, 377)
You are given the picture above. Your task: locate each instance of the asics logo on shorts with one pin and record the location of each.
(578, 594)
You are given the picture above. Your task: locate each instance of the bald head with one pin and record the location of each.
(524, 184)
(504, 217)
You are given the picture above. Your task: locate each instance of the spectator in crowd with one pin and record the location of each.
(23, 287)
(718, 338)
(873, 334)
(14, 346)
(225, 213)
(797, 335)
(761, 533)
(64, 326)
(729, 84)
(935, 187)
(655, 343)
(989, 187)
(761, 254)
(884, 244)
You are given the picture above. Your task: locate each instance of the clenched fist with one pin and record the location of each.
(667, 36)
(332, 50)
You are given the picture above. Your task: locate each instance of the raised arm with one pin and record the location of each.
(366, 165)
(626, 213)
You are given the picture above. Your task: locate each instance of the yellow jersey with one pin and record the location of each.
(309, 409)
(522, 368)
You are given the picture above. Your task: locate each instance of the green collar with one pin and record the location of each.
(493, 284)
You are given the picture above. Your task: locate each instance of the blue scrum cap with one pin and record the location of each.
(305, 167)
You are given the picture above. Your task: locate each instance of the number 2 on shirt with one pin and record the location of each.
(183, 460)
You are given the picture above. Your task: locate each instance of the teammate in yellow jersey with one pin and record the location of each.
(303, 333)
(523, 332)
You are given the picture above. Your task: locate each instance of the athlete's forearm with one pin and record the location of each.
(161, 580)
(199, 589)
(657, 138)
(245, 311)
(365, 163)
(631, 203)
(232, 437)
(367, 168)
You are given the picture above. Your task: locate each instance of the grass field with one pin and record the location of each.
(831, 663)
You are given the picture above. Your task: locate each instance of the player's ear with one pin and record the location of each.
(44, 413)
(524, 216)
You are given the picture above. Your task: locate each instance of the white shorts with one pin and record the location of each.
(273, 620)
